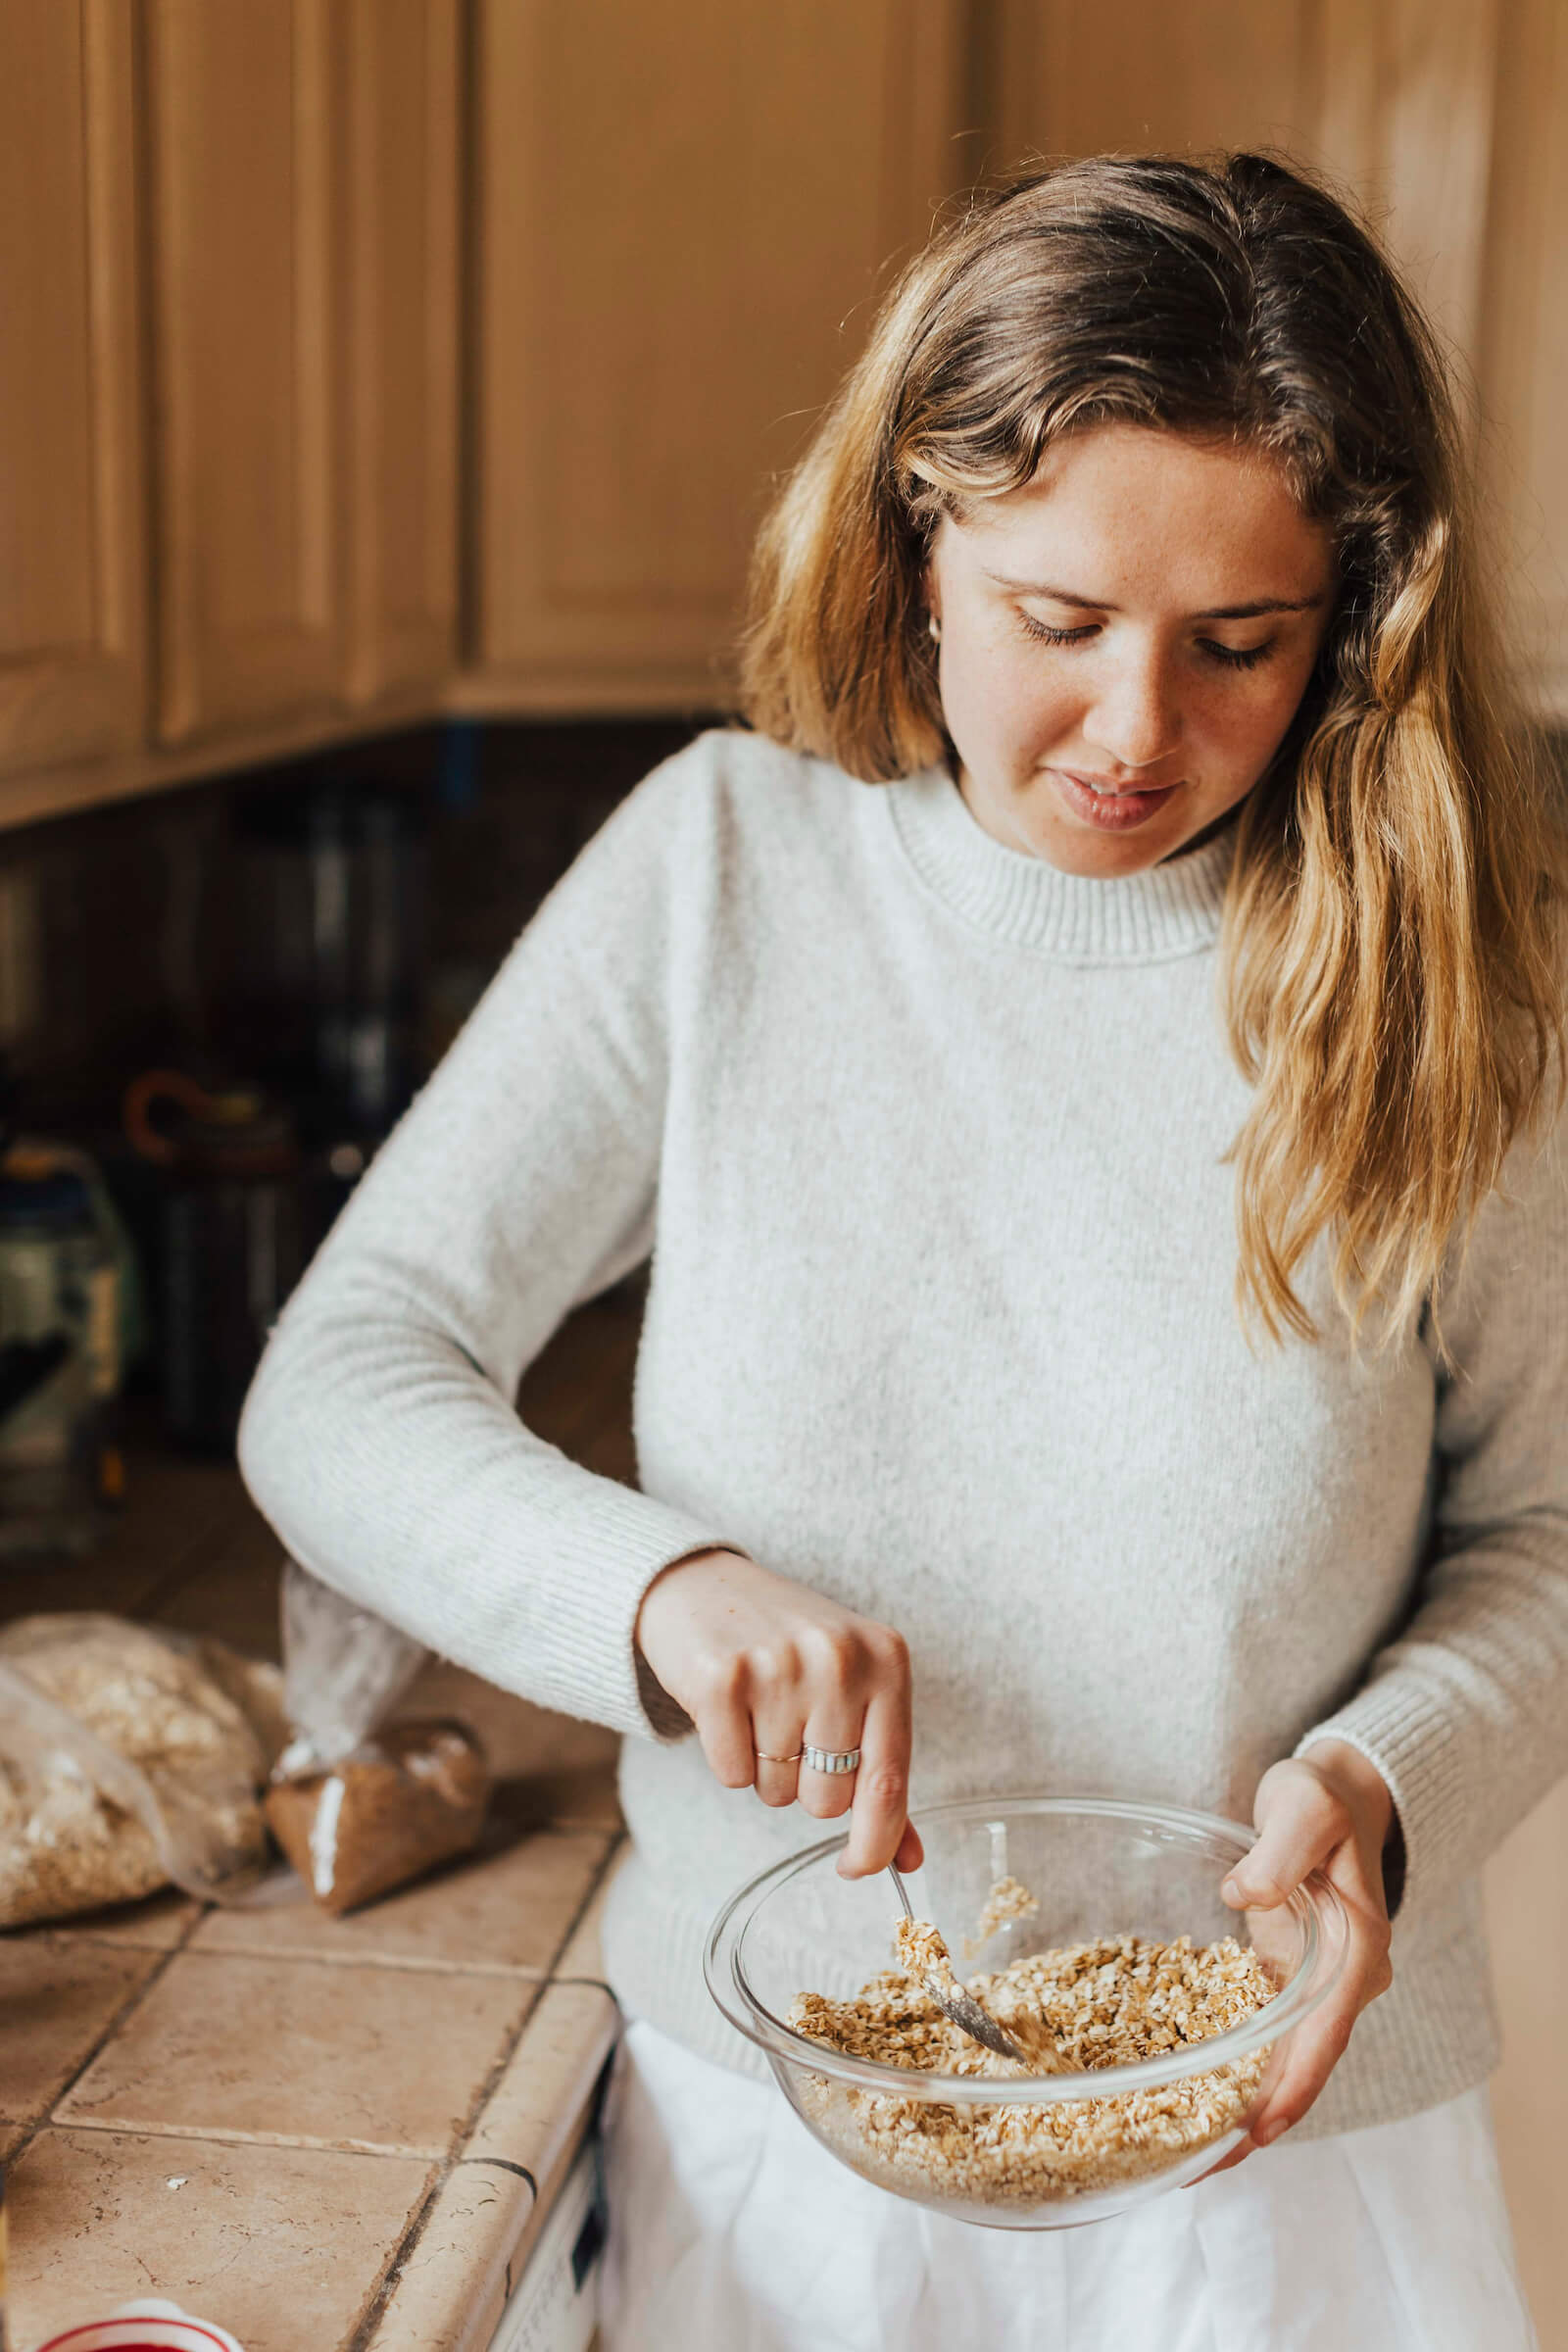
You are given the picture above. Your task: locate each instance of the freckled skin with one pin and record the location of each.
(1147, 531)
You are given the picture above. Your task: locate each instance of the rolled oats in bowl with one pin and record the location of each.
(1148, 2046)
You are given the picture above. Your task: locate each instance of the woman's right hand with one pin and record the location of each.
(763, 1664)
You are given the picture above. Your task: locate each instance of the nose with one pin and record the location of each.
(1136, 718)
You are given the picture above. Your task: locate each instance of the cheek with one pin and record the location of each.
(1006, 696)
(1244, 729)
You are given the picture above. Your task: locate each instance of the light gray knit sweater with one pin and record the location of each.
(927, 1142)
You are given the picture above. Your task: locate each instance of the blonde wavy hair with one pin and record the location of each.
(1391, 955)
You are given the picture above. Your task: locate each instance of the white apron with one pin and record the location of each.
(731, 2231)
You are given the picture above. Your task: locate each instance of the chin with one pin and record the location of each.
(1101, 857)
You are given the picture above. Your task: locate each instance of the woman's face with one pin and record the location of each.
(1124, 643)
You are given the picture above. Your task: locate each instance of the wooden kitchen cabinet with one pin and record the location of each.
(1136, 76)
(304, 161)
(73, 682)
(246, 348)
(247, 250)
(1521, 341)
(403, 275)
(683, 220)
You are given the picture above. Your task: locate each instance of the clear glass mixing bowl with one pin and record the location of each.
(980, 2149)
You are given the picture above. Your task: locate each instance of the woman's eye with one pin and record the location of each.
(1050, 636)
(1227, 656)
(1237, 657)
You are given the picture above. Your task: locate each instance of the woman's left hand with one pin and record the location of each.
(1327, 1811)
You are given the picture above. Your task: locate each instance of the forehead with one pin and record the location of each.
(1119, 510)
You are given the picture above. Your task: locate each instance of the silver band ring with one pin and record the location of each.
(831, 1759)
(763, 1756)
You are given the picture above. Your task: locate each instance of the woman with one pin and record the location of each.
(1109, 1252)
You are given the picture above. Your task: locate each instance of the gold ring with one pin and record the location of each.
(763, 1756)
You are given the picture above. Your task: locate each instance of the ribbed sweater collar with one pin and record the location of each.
(1146, 917)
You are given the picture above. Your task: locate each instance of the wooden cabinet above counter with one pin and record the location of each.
(231, 465)
(686, 216)
(370, 359)
(72, 453)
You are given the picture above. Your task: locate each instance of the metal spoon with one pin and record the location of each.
(955, 2002)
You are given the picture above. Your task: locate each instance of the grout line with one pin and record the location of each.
(408, 2244)
(391, 2277)
(127, 2128)
(582, 1910)
(132, 2001)
(396, 1963)
(187, 2136)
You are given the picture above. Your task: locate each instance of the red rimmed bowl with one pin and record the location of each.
(145, 2327)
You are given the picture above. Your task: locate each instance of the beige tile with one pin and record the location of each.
(498, 1911)
(285, 2247)
(450, 2289)
(328, 2055)
(57, 1998)
(535, 2115)
(582, 1954)
(155, 1925)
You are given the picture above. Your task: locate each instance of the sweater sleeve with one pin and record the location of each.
(380, 1437)
(1466, 1713)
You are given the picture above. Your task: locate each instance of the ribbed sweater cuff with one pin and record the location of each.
(1408, 1742)
(555, 1619)
(593, 1667)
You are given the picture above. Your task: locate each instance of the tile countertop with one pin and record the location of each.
(336, 2133)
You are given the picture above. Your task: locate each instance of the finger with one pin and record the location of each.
(827, 1795)
(1357, 1880)
(1316, 2048)
(720, 1708)
(1238, 2154)
(1301, 1824)
(775, 1751)
(880, 1813)
(911, 1853)
(1320, 2042)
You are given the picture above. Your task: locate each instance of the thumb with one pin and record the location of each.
(1300, 1823)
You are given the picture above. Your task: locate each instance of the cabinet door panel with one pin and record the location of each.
(1521, 342)
(1137, 75)
(402, 342)
(245, 353)
(72, 578)
(684, 218)
(1409, 100)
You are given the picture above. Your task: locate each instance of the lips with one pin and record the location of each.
(1105, 790)
(1110, 809)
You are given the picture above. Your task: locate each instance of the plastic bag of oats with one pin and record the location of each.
(360, 1803)
(127, 1760)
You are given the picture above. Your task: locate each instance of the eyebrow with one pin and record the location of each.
(1099, 604)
